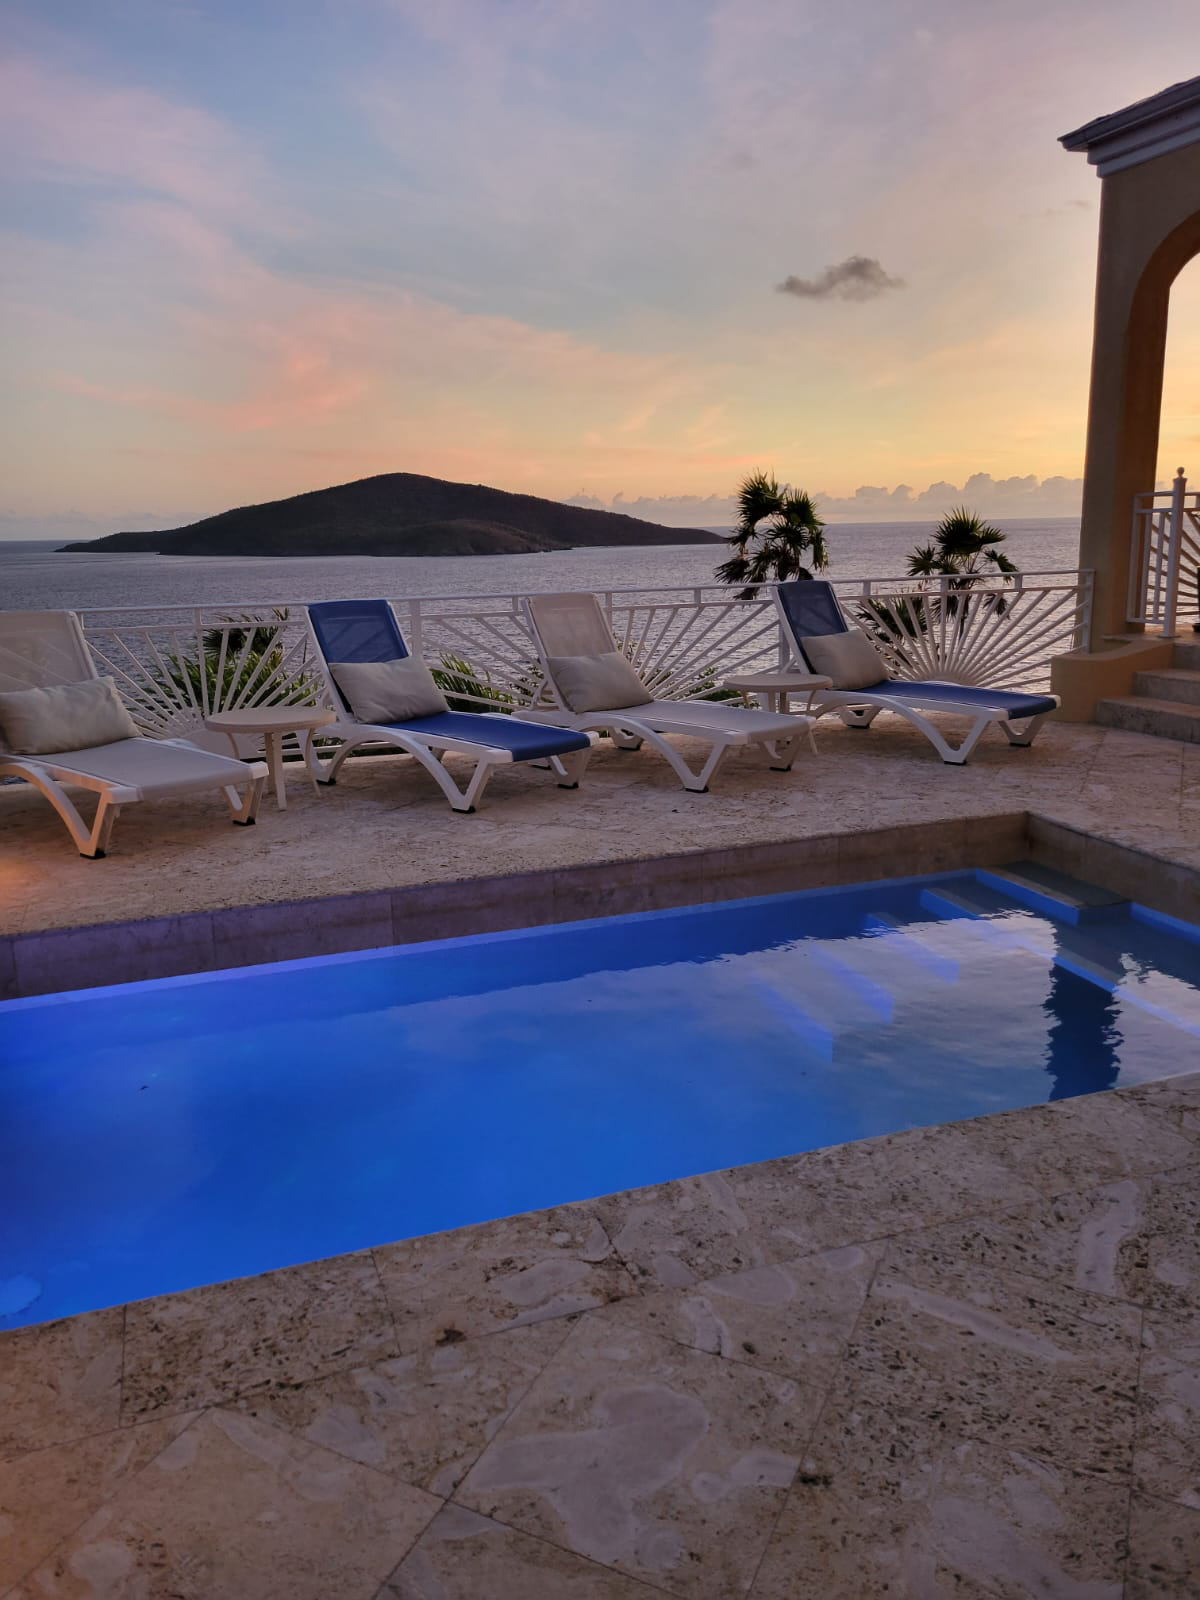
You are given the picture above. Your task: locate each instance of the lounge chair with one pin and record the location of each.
(809, 608)
(573, 627)
(363, 632)
(47, 649)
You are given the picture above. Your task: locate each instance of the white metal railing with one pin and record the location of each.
(175, 665)
(1165, 556)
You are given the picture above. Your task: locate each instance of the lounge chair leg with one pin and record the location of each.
(699, 785)
(570, 768)
(859, 716)
(953, 756)
(1023, 739)
(468, 798)
(92, 843)
(107, 813)
(245, 811)
(693, 782)
(783, 752)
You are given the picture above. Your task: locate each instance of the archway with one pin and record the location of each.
(1148, 160)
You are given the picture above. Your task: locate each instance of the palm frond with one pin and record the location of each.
(924, 562)
(778, 536)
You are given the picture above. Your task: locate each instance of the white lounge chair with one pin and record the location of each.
(46, 649)
(810, 608)
(362, 631)
(574, 625)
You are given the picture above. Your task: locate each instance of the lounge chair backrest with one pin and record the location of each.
(355, 630)
(570, 625)
(811, 607)
(39, 649)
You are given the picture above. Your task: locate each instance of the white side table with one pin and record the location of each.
(271, 724)
(775, 687)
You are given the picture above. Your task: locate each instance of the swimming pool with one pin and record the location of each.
(157, 1136)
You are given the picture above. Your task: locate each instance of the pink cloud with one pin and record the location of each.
(60, 126)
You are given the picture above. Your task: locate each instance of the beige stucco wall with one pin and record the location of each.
(1081, 677)
(1149, 230)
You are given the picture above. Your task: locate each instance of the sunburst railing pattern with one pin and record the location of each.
(176, 666)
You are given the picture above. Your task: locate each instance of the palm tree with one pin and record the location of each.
(965, 550)
(793, 534)
(964, 546)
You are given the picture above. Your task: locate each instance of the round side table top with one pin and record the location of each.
(269, 719)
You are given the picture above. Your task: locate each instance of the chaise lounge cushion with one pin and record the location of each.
(598, 683)
(389, 691)
(849, 659)
(66, 716)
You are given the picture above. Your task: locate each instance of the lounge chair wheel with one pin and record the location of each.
(96, 855)
(244, 822)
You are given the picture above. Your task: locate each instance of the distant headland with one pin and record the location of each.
(399, 514)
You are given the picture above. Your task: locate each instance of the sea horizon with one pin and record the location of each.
(36, 575)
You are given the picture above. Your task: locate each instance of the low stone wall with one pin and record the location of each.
(208, 941)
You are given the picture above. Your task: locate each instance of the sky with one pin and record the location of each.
(618, 251)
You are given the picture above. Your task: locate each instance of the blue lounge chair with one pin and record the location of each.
(367, 631)
(810, 608)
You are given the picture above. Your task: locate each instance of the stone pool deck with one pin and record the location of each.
(961, 1361)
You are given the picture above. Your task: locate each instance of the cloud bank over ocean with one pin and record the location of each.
(991, 497)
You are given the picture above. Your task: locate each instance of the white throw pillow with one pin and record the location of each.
(389, 691)
(598, 683)
(68, 716)
(849, 659)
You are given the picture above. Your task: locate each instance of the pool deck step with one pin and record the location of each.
(1166, 719)
(1034, 885)
(1168, 683)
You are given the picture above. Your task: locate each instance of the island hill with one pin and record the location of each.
(400, 514)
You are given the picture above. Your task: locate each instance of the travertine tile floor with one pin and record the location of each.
(960, 1361)
(385, 826)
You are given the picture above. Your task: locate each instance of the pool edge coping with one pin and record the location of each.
(96, 955)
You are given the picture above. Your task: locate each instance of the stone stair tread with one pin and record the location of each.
(1174, 674)
(1061, 886)
(1145, 702)
(1180, 684)
(1162, 719)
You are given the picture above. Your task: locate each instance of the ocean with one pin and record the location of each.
(33, 577)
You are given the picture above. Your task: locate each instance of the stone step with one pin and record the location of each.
(1180, 684)
(1168, 719)
(1076, 894)
(1187, 654)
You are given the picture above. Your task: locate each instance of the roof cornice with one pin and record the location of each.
(1166, 121)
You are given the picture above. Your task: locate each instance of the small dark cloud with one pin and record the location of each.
(856, 278)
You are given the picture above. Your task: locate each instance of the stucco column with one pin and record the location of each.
(1149, 228)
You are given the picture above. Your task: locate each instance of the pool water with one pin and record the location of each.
(156, 1136)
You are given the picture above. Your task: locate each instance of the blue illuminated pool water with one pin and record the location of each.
(157, 1136)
